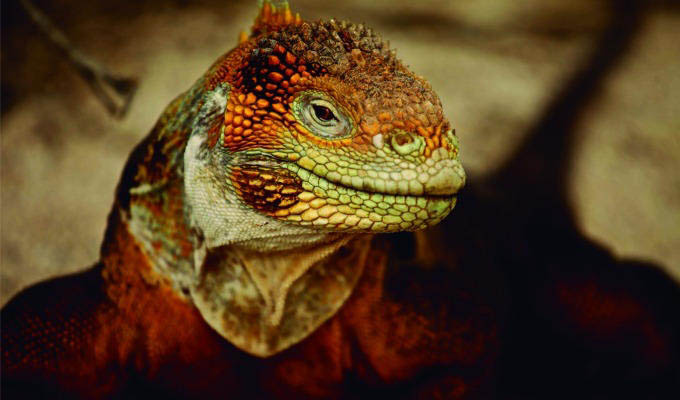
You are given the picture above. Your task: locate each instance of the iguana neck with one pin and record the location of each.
(237, 266)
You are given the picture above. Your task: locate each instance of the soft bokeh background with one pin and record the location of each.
(495, 64)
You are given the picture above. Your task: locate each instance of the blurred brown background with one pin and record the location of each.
(495, 64)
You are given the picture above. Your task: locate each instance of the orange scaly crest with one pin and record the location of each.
(273, 16)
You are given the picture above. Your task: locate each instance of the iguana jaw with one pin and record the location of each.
(375, 198)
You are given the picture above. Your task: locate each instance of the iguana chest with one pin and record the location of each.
(142, 338)
(374, 342)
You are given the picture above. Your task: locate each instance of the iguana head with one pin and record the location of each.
(304, 135)
(324, 127)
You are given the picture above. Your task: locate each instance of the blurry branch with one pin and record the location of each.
(114, 92)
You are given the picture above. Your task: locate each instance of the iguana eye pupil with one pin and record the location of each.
(323, 113)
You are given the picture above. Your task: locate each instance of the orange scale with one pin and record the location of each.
(238, 130)
(371, 129)
(273, 60)
(422, 131)
(279, 108)
(384, 117)
(228, 117)
(247, 123)
(342, 143)
(300, 129)
(270, 86)
(429, 143)
(275, 76)
(238, 120)
(262, 103)
(238, 109)
(250, 98)
(385, 128)
(294, 79)
(290, 58)
(248, 112)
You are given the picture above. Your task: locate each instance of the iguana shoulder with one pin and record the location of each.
(48, 335)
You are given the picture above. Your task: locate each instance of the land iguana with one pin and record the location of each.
(243, 256)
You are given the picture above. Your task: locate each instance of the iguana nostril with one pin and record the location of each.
(403, 139)
(405, 143)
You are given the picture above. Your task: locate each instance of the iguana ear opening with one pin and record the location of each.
(274, 14)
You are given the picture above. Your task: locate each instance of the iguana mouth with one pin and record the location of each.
(344, 207)
(339, 206)
(446, 175)
(439, 176)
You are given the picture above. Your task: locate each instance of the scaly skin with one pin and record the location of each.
(243, 165)
(240, 259)
(394, 169)
(246, 208)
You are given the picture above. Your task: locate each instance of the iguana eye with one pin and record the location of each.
(323, 113)
(318, 113)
